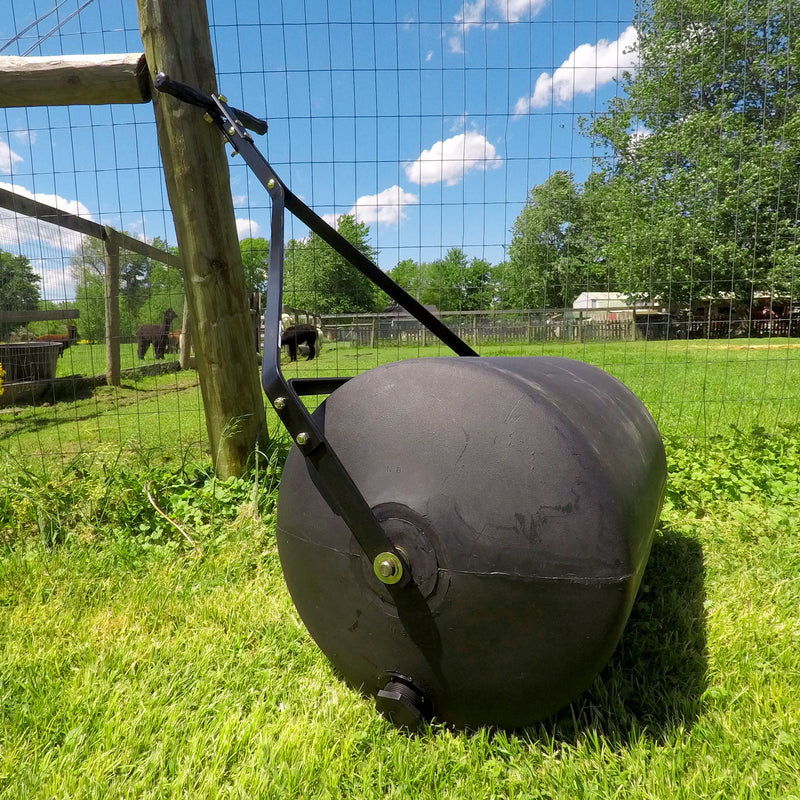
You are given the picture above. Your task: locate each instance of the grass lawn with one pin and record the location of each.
(692, 387)
(90, 359)
(131, 665)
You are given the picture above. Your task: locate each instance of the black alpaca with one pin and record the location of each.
(297, 335)
(157, 335)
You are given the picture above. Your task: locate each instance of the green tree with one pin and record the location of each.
(702, 153)
(19, 287)
(165, 290)
(147, 287)
(452, 283)
(457, 283)
(319, 280)
(547, 259)
(90, 295)
(255, 261)
(408, 274)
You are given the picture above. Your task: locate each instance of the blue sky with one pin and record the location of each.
(429, 121)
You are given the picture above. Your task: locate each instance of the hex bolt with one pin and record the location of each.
(208, 118)
(280, 403)
(303, 438)
(223, 98)
(271, 183)
(232, 130)
(388, 567)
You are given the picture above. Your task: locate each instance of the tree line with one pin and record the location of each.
(693, 195)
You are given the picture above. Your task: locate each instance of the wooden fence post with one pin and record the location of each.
(111, 245)
(185, 345)
(177, 41)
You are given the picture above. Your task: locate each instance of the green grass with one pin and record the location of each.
(130, 666)
(159, 413)
(693, 387)
(90, 359)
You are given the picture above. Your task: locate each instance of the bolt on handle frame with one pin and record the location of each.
(340, 491)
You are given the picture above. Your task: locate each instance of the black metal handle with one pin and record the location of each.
(188, 94)
(342, 493)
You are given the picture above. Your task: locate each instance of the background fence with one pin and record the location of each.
(499, 159)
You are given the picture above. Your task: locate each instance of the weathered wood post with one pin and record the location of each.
(177, 41)
(185, 345)
(111, 244)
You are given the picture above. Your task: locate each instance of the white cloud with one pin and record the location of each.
(25, 136)
(637, 135)
(515, 10)
(7, 158)
(459, 123)
(588, 66)
(246, 228)
(17, 229)
(385, 208)
(451, 159)
(239, 199)
(331, 219)
(473, 14)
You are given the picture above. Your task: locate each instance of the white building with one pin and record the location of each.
(603, 301)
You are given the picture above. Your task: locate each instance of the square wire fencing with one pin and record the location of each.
(545, 183)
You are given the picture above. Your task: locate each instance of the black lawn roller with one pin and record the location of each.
(463, 537)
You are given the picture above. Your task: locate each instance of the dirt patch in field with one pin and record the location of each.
(764, 347)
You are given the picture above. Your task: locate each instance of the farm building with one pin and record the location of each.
(606, 301)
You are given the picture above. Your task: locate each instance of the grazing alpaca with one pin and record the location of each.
(300, 334)
(157, 335)
(174, 341)
(64, 341)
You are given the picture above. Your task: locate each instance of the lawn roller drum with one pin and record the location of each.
(463, 537)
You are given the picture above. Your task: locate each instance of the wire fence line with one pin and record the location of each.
(500, 170)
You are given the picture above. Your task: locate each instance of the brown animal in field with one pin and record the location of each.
(64, 341)
(157, 335)
(174, 341)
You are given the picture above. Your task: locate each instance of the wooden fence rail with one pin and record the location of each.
(113, 242)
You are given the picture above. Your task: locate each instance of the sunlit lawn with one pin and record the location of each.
(132, 667)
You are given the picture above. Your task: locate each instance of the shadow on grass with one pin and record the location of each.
(27, 424)
(655, 679)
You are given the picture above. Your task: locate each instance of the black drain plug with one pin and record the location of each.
(403, 704)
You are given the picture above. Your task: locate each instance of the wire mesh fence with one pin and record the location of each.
(610, 181)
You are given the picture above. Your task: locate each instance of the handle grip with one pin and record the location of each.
(188, 94)
(250, 122)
